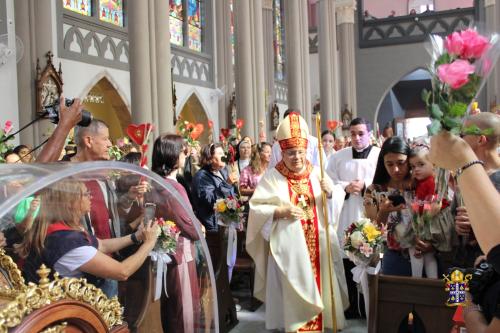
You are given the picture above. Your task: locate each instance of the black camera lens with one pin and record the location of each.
(52, 113)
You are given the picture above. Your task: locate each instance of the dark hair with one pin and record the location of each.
(325, 132)
(133, 157)
(361, 121)
(288, 111)
(17, 150)
(207, 152)
(10, 152)
(394, 145)
(166, 151)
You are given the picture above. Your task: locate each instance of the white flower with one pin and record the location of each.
(357, 239)
(231, 204)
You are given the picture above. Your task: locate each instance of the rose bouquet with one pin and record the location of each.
(422, 213)
(190, 131)
(5, 138)
(167, 240)
(461, 62)
(363, 242)
(229, 211)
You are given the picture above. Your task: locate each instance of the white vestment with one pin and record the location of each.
(342, 169)
(312, 152)
(284, 277)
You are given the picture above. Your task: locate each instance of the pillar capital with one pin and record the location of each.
(345, 11)
(489, 3)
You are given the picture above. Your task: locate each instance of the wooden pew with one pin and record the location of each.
(392, 298)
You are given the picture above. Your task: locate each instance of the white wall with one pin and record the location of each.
(8, 78)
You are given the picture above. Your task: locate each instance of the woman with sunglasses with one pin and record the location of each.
(59, 241)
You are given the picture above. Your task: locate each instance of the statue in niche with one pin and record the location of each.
(346, 118)
(232, 111)
(275, 116)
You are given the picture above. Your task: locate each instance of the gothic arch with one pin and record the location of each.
(194, 111)
(387, 91)
(113, 108)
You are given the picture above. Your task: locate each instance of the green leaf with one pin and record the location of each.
(449, 123)
(436, 112)
(488, 131)
(458, 109)
(471, 130)
(434, 127)
(426, 95)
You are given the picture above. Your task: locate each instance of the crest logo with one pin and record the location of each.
(457, 283)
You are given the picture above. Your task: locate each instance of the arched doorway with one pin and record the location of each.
(402, 106)
(106, 104)
(193, 112)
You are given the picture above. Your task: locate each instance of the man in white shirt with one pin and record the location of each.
(312, 148)
(353, 168)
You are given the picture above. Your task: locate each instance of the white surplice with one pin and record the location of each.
(284, 277)
(342, 169)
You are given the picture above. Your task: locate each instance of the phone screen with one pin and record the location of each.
(149, 212)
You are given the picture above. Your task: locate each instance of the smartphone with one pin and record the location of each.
(149, 212)
(397, 199)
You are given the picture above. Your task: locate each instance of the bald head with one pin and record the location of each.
(487, 120)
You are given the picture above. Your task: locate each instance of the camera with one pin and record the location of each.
(484, 288)
(397, 199)
(52, 112)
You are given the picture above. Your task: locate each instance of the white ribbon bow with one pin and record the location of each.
(162, 260)
(232, 245)
(360, 275)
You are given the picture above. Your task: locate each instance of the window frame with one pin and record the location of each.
(205, 42)
(94, 18)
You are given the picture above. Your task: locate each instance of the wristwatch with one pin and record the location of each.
(134, 239)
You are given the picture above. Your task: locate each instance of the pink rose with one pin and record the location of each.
(455, 74)
(474, 44)
(8, 127)
(454, 44)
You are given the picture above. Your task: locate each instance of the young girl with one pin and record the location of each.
(423, 173)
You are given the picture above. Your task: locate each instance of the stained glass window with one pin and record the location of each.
(83, 7)
(194, 25)
(111, 11)
(279, 40)
(176, 22)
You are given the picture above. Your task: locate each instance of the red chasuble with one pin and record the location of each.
(301, 195)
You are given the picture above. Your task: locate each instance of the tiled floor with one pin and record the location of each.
(253, 322)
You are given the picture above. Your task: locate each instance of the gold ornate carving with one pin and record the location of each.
(61, 328)
(47, 292)
(13, 275)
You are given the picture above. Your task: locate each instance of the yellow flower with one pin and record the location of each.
(221, 207)
(371, 232)
(170, 223)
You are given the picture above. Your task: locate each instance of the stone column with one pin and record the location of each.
(268, 30)
(34, 25)
(250, 89)
(140, 62)
(297, 57)
(328, 62)
(162, 73)
(243, 74)
(347, 56)
(225, 72)
(258, 67)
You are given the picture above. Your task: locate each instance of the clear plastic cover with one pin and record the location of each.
(32, 194)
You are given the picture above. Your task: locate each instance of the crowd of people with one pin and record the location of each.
(292, 208)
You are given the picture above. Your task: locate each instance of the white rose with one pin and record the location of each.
(357, 239)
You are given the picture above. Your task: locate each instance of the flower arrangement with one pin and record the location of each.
(190, 131)
(363, 241)
(461, 64)
(229, 210)
(167, 240)
(422, 213)
(5, 138)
